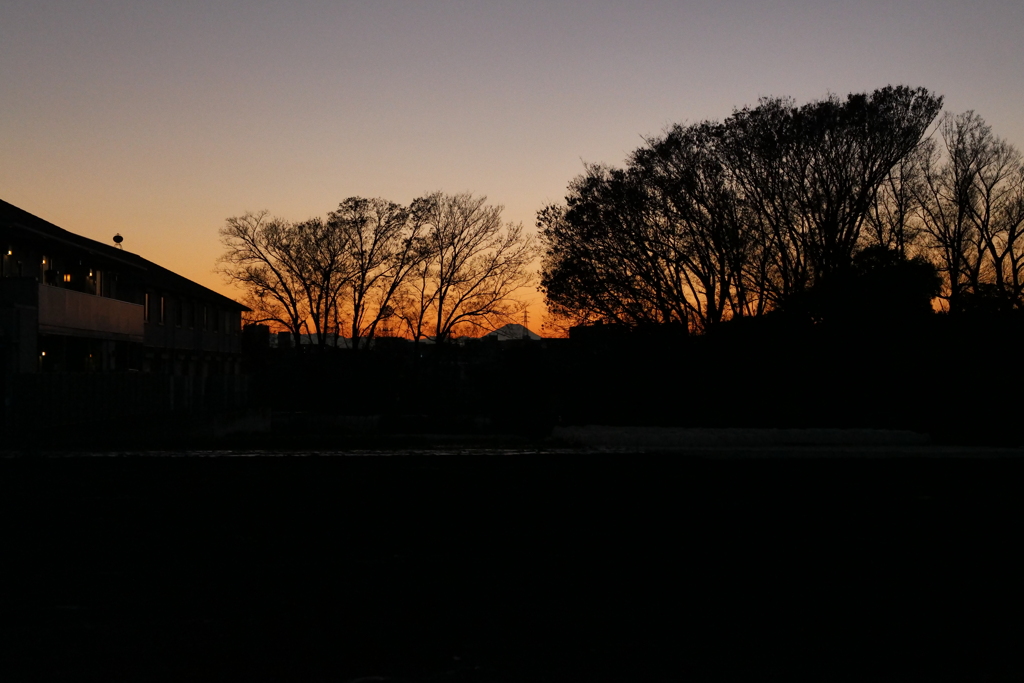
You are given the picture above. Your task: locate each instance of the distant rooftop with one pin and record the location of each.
(22, 222)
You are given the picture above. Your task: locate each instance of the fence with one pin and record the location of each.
(43, 400)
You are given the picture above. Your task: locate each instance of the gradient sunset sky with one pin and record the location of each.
(159, 119)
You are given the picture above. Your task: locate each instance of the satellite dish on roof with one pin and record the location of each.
(117, 240)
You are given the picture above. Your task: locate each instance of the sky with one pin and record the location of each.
(160, 119)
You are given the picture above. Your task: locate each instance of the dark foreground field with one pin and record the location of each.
(503, 566)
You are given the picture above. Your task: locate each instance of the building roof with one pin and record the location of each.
(36, 229)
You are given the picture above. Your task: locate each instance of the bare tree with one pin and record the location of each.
(998, 214)
(472, 266)
(383, 247)
(292, 273)
(971, 203)
(894, 221)
(260, 257)
(415, 297)
(327, 263)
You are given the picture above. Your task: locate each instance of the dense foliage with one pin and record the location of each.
(719, 220)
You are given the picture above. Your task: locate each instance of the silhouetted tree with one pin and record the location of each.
(661, 241)
(719, 220)
(894, 219)
(445, 261)
(713, 246)
(469, 268)
(604, 260)
(881, 286)
(810, 174)
(971, 203)
(291, 272)
(384, 245)
(415, 297)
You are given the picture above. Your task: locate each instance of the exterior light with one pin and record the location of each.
(10, 252)
(43, 353)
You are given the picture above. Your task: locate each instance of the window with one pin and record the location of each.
(155, 309)
(145, 308)
(94, 283)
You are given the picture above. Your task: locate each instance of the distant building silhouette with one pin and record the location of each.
(511, 332)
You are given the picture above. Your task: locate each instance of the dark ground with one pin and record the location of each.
(511, 567)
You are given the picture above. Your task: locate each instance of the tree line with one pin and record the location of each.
(372, 267)
(872, 201)
(875, 203)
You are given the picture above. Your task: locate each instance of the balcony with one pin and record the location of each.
(67, 312)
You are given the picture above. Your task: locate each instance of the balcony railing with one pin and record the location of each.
(64, 311)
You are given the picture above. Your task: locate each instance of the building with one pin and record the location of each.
(69, 304)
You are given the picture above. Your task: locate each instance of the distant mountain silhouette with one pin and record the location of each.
(513, 331)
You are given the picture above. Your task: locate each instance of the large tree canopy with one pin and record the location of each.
(723, 219)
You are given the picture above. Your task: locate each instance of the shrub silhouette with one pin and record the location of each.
(880, 286)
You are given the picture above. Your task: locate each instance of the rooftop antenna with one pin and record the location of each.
(117, 240)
